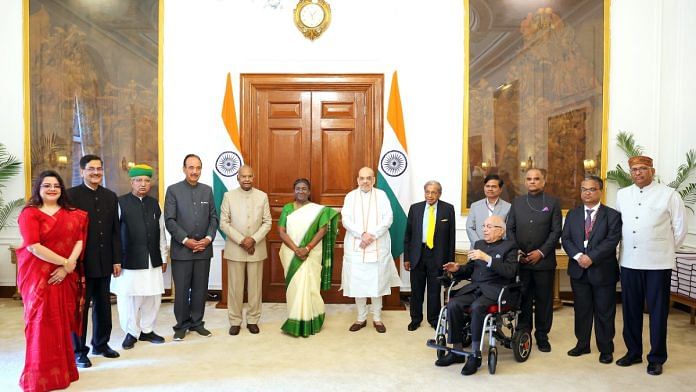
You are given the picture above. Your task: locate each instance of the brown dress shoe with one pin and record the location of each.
(234, 330)
(379, 326)
(253, 328)
(357, 326)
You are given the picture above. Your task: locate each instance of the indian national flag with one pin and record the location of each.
(393, 175)
(227, 145)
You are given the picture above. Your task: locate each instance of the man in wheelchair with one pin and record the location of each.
(492, 265)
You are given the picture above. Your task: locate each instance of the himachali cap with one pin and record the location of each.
(140, 170)
(640, 160)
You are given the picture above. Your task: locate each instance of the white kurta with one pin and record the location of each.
(654, 225)
(368, 272)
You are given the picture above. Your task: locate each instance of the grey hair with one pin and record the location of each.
(433, 182)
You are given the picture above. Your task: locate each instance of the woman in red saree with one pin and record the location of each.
(53, 234)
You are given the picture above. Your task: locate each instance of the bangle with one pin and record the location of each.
(65, 263)
(309, 247)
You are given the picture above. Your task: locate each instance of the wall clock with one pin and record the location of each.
(312, 17)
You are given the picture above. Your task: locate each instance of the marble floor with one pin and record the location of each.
(338, 360)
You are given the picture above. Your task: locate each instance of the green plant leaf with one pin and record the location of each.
(620, 176)
(626, 142)
(685, 170)
(6, 210)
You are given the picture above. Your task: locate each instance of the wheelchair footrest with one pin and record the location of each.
(431, 343)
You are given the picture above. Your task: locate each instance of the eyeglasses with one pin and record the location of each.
(591, 190)
(50, 186)
(94, 169)
(490, 227)
(641, 169)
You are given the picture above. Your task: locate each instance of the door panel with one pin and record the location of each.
(320, 127)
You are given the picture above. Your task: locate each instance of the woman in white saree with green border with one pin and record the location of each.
(308, 231)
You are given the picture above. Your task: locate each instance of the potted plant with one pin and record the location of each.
(687, 190)
(9, 167)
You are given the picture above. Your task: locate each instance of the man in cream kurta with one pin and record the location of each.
(368, 267)
(654, 226)
(245, 218)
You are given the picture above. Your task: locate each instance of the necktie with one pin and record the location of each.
(588, 224)
(430, 234)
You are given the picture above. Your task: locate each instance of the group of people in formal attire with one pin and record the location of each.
(75, 240)
(520, 238)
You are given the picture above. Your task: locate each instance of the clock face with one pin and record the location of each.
(312, 15)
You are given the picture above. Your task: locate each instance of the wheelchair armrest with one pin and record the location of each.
(448, 280)
(510, 295)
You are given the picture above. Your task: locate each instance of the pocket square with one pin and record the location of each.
(444, 220)
(546, 209)
(497, 256)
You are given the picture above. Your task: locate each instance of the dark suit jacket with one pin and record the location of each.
(491, 279)
(189, 211)
(601, 246)
(536, 229)
(444, 239)
(103, 245)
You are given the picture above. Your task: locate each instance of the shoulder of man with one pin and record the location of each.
(445, 205)
(260, 192)
(608, 209)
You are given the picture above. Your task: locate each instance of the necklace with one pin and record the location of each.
(543, 203)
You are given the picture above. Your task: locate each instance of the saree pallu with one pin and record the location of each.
(51, 311)
(305, 279)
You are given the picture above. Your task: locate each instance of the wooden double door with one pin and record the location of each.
(320, 127)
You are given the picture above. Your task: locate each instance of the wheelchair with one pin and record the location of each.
(499, 318)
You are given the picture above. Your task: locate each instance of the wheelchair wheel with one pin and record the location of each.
(441, 341)
(492, 359)
(522, 345)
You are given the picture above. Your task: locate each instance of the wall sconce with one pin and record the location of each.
(485, 165)
(526, 165)
(62, 161)
(126, 165)
(590, 165)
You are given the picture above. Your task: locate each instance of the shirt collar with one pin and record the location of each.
(594, 208)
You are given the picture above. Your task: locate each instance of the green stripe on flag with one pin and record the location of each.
(219, 190)
(398, 227)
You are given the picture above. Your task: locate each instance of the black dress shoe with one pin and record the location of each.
(129, 342)
(628, 360)
(471, 366)
(412, 326)
(151, 337)
(578, 351)
(654, 368)
(234, 330)
(606, 358)
(106, 352)
(253, 328)
(449, 359)
(544, 346)
(82, 361)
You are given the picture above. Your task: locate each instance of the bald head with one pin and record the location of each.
(535, 181)
(245, 177)
(366, 179)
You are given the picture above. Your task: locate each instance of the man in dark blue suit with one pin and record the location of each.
(492, 265)
(590, 237)
(428, 245)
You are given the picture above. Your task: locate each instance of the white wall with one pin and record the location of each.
(11, 120)
(652, 85)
